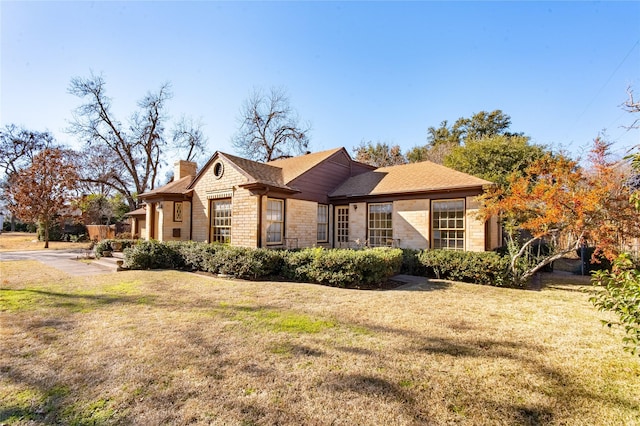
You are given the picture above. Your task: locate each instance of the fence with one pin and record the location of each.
(104, 232)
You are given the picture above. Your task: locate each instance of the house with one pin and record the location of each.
(318, 199)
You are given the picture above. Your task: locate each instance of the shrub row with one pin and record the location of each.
(334, 267)
(486, 268)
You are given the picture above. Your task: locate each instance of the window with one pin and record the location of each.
(380, 225)
(218, 169)
(342, 225)
(448, 224)
(323, 223)
(221, 221)
(177, 211)
(275, 221)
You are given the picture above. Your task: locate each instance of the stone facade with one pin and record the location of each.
(411, 223)
(475, 227)
(301, 223)
(358, 223)
(209, 187)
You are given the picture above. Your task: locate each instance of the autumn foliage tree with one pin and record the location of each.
(40, 191)
(558, 204)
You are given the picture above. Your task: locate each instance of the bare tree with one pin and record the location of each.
(379, 155)
(270, 128)
(100, 170)
(134, 150)
(187, 135)
(434, 153)
(633, 106)
(18, 146)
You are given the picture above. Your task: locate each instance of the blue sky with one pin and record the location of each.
(380, 71)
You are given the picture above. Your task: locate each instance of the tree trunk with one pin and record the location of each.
(46, 235)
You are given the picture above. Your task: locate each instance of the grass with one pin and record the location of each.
(18, 241)
(164, 347)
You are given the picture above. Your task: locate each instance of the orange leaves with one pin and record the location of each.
(39, 191)
(555, 195)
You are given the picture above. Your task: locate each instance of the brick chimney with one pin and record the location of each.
(183, 168)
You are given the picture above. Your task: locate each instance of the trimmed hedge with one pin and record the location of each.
(486, 268)
(152, 255)
(343, 267)
(335, 267)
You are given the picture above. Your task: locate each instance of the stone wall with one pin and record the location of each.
(301, 219)
(411, 223)
(475, 229)
(244, 223)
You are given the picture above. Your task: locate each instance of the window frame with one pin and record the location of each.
(436, 222)
(178, 211)
(270, 222)
(213, 217)
(379, 240)
(324, 225)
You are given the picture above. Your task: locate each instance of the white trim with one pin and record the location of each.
(222, 193)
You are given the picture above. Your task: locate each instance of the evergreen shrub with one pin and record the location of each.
(487, 268)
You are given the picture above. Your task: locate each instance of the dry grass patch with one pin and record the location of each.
(143, 347)
(17, 241)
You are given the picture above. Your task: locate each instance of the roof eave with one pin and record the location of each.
(480, 188)
(252, 186)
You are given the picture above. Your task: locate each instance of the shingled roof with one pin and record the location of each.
(295, 166)
(407, 178)
(177, 187)
(257, 172)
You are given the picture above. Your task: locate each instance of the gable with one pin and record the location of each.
(247, 172)
(316, 175)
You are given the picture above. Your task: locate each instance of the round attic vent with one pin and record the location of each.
(218, 169)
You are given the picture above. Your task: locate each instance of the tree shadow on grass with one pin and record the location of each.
(75, 301)
(379, 388)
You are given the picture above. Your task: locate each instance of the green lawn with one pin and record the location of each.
(164, 347)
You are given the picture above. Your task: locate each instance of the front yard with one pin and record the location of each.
(165, 347)
(17, 241)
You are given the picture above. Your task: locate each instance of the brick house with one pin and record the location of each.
(318, 199)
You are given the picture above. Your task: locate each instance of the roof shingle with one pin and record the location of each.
(176, 187)
(296, 166)
(407, 178)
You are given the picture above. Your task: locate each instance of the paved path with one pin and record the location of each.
(64, 260)
(415, 283)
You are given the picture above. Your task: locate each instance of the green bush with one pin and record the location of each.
(196, 254)
(55, 231)
(335, 267)
(153, 255)
(411, 263)
(254, 264)
(296, 264)
(486, 268)
(618, 291)
(105, 245)
(342, 267)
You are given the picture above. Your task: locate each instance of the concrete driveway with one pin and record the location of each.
(65, 260)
